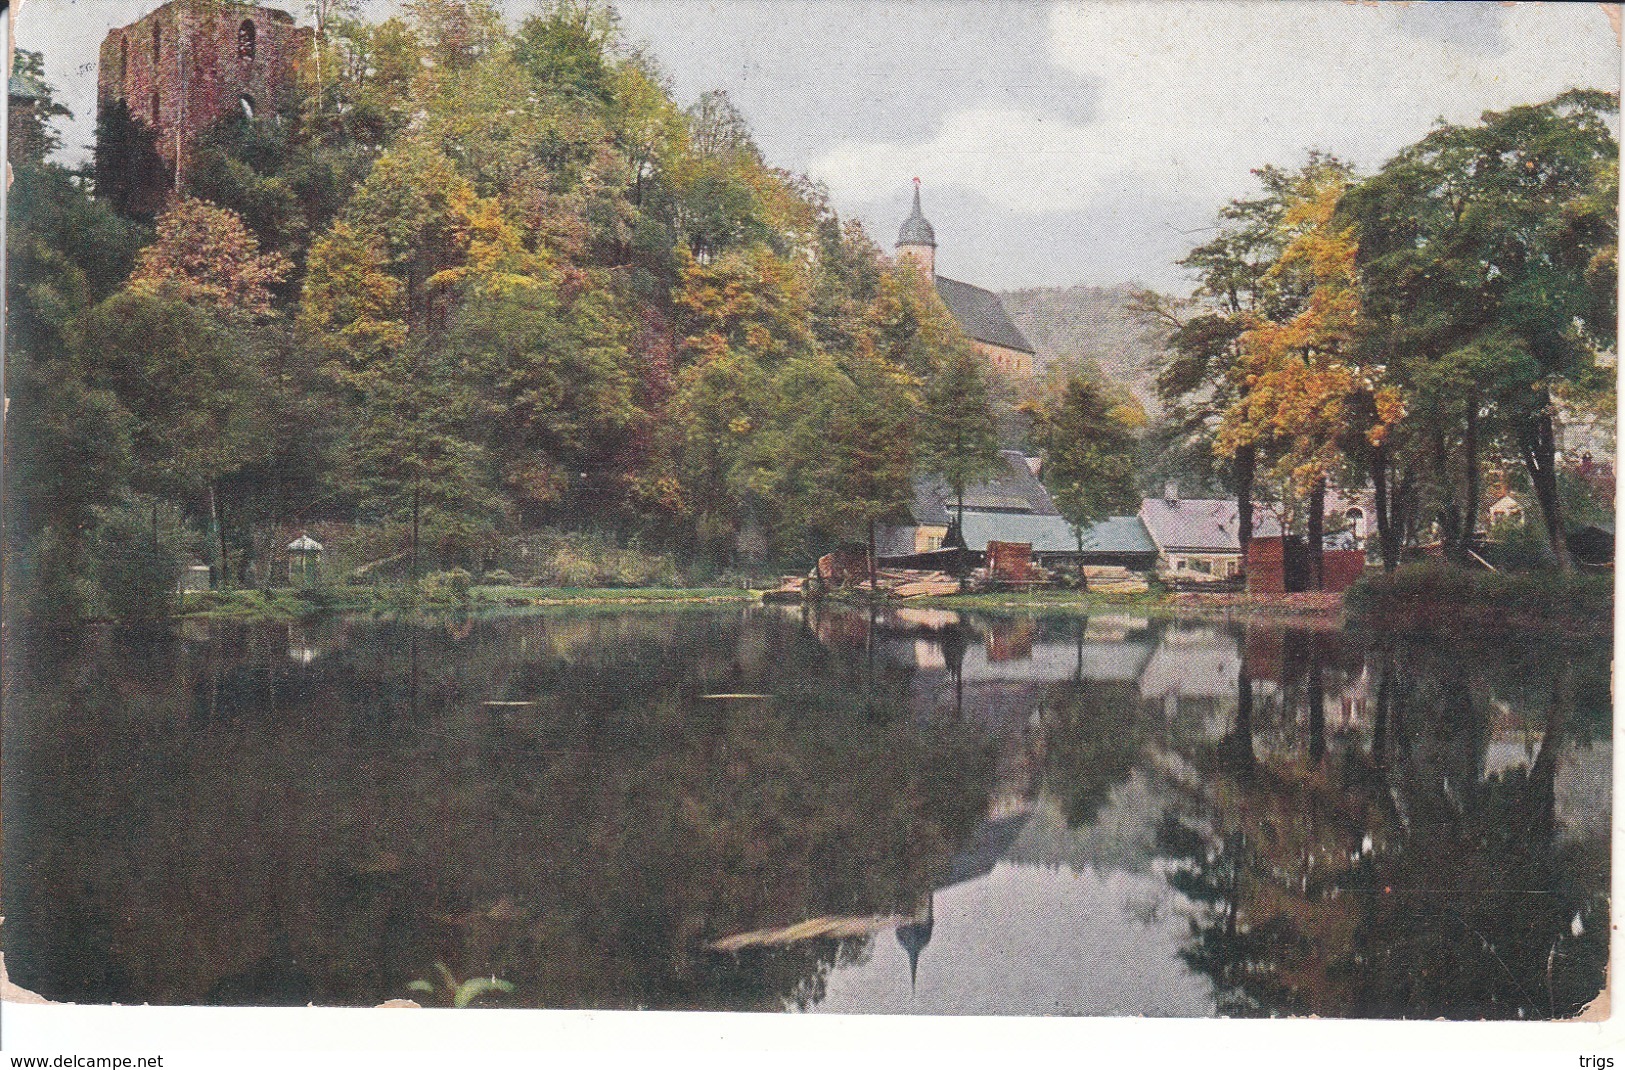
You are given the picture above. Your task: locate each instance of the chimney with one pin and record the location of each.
(1170, 492)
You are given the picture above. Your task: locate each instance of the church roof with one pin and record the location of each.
(916, 229)
(981, 314)
(1011, 489)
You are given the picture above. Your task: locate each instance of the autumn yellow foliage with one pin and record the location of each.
(1299, 376)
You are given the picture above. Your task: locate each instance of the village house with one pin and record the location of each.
(1012, 506)
(1203, 535)
(1196, 534)
(980, 313)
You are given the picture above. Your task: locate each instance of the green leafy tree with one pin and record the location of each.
(1084, 430)
(1487, 254)
(958, 429)
(871, 449)
(557, 390)
(409, 460)
(130, 173)
(193, 381)
(31, 138)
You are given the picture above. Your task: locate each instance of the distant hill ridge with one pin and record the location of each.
(1093, 322)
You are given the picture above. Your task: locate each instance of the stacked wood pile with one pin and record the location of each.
(910, 583)
(832, 572)
(843, 567)
(1115, 579)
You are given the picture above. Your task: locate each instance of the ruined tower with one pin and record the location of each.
(190, 63)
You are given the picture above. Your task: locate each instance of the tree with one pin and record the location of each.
(205, 255)
(1305, 392)
(193, 380)
(959, 433)
(31, 138)
(1487, 263)
(1203, 376)
(716, 409)
(1083, 430)
(408, 458)
(870, 456)
(556, 387)
(130, 173)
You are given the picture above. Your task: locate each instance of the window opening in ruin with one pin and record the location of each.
(248, 106)
(157, 42)
(123, 60)
(155, 108)
(247, 35)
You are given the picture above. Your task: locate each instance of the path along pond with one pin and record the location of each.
(777, 809)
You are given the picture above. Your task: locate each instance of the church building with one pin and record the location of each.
(979, 312)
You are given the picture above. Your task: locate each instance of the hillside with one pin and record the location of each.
(1093, 322)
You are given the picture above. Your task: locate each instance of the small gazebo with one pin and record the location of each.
(304, 561)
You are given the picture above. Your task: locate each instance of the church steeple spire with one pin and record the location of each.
(917, 239)
(915, 933)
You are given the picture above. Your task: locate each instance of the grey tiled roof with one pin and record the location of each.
(928, 507)
(981, 314)
(1192, 524)
(1052, 534)
(1044, 533)
(1012, 490)
(1119, 535)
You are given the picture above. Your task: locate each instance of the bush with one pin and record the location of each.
(446, 588)
(498, 577)
(139, 551)
(558, 559)
(1434, 593)
(1520, 547)
(58, 588)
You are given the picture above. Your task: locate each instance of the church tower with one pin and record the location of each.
(980, 313)
(917, 241)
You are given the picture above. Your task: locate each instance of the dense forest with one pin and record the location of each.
(475, 281)
(472, 281)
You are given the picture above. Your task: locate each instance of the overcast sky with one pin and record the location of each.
(1057, 142)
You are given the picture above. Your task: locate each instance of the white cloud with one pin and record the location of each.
(1193, 95)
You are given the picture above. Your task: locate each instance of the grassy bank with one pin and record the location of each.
(285, 604)
(278, 605)
(1438, 596)
(612, 596)
(1315, 607)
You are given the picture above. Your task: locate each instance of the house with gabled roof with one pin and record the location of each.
(1012, 506)
(1199, 534)
(1012, 491)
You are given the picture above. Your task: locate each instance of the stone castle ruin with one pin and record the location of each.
(191, 63)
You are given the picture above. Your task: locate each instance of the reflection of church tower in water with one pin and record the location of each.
(915, 934)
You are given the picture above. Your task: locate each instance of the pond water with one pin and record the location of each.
(910, 811)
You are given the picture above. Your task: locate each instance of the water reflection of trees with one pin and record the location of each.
(260, 815)
(220, 821)
(1389, 872)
